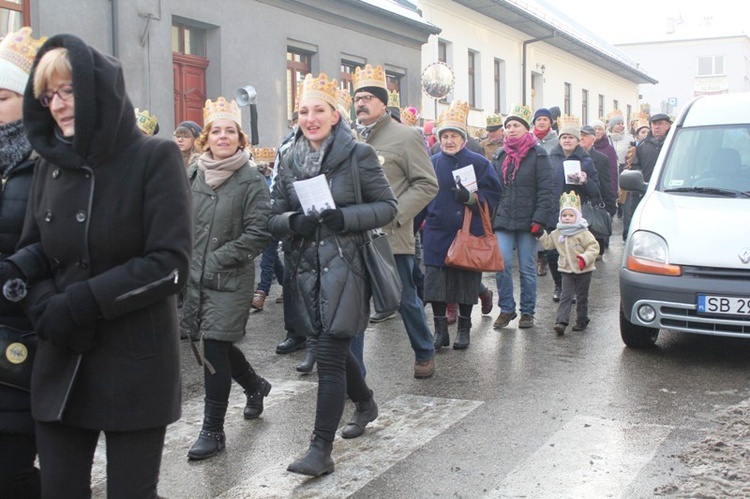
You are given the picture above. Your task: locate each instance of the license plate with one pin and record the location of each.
(723, 305)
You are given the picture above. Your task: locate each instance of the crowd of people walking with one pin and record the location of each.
(115, 244)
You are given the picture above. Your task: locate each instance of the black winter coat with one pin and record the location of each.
(601, 163)
(326, 272)
(646, 155)
(528, 198)
(15, 405)
(587, 191)
(112, 212)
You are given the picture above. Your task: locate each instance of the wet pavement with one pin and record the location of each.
(521, 413)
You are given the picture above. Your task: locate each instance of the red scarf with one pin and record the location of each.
(515, 151)
(541, 134)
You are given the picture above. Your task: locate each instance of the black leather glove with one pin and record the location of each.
(67, 319)
(333, 219)
(461, 193)
(304, 225)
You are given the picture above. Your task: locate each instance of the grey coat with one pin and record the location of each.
(231, 229)
(326, 276)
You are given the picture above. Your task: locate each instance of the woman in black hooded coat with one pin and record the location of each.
(104, 251)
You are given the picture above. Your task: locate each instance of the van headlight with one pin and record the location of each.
(648, 253)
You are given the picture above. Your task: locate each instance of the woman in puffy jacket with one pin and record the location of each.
(327, 284)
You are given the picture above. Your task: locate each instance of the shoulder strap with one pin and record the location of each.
(355, 177)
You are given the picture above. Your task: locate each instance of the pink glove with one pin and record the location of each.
(581, 262)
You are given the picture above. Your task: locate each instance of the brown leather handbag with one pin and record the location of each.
(477, 253)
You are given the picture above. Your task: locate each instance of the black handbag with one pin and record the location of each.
(18, 348)
(380, 264)
(599, 220)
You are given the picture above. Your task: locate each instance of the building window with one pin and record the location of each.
(14, 14)
(615, 104)
(584, 106)
(188, 40)
(566, 98)
(711, 65)
(393, 82)
(472, 79)
(297, 66)
(629, 108)
(346, 76)
(601, 107)
(498, 86)
(442, 52)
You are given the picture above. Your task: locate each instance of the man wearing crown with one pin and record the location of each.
(494, 140)
(401, 152)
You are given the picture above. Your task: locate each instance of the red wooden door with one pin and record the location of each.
(189, 73)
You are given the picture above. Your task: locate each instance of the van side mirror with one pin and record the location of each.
(632, 180)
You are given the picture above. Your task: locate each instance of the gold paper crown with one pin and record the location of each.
(570, 200)
(145, 121)
(640, 120)
(454, 117)
(20, 48)
(568, 120)
(409, 116)
(369, 77)
(344, 102)
(613, 113)
(393, 99)
(523, 112)
(264, 154)
(495, 120)
(319, 87)
(222, 109)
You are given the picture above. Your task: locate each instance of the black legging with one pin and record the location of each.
(439, 309)
(552, 256)
(229, 362)
(338, 375)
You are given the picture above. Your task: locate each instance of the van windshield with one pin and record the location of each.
(711, 161)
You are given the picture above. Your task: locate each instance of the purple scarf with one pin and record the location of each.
(515, 151)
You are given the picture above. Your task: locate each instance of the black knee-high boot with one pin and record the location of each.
(306, 366)
(256, 388)
(211, 439)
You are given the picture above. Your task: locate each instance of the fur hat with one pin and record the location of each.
(17, 52)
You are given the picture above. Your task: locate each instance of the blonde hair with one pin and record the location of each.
(54, 62)
(200, 142)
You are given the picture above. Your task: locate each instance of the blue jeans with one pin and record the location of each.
(270, 266)
(412, 312)
(526, 246)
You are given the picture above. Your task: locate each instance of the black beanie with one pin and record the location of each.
(378, 92)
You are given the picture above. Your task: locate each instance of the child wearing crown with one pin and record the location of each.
(578, 250)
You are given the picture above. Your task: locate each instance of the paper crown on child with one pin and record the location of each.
(520, 113)
(494, 122)
(17, 52)
(409, 116)
(344, 102)
(454, 118)
(570, 200)
(264, 154)
(146, 122)
(319, 87)
(221, 109)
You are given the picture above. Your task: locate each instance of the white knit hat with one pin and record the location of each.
(17, 53)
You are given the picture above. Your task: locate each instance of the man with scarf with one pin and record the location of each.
(526, 203)
(401, 152)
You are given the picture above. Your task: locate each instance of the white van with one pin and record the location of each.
(686, 265)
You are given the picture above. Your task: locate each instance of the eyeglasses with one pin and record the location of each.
(65, 92)
(363, 98)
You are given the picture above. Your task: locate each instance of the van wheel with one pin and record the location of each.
(636, 336)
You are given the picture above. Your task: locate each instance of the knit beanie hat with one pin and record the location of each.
(597, 123)
(17, 53)
(542, 111)
(573, 130)
(379, 92)
(192, 127)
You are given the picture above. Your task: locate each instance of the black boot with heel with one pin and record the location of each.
(307, 365)
(211, 439)
(256, 388)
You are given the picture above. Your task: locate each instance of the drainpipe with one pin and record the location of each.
(115, 29)
(523, 62)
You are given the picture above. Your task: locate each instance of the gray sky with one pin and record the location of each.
(640, 20)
